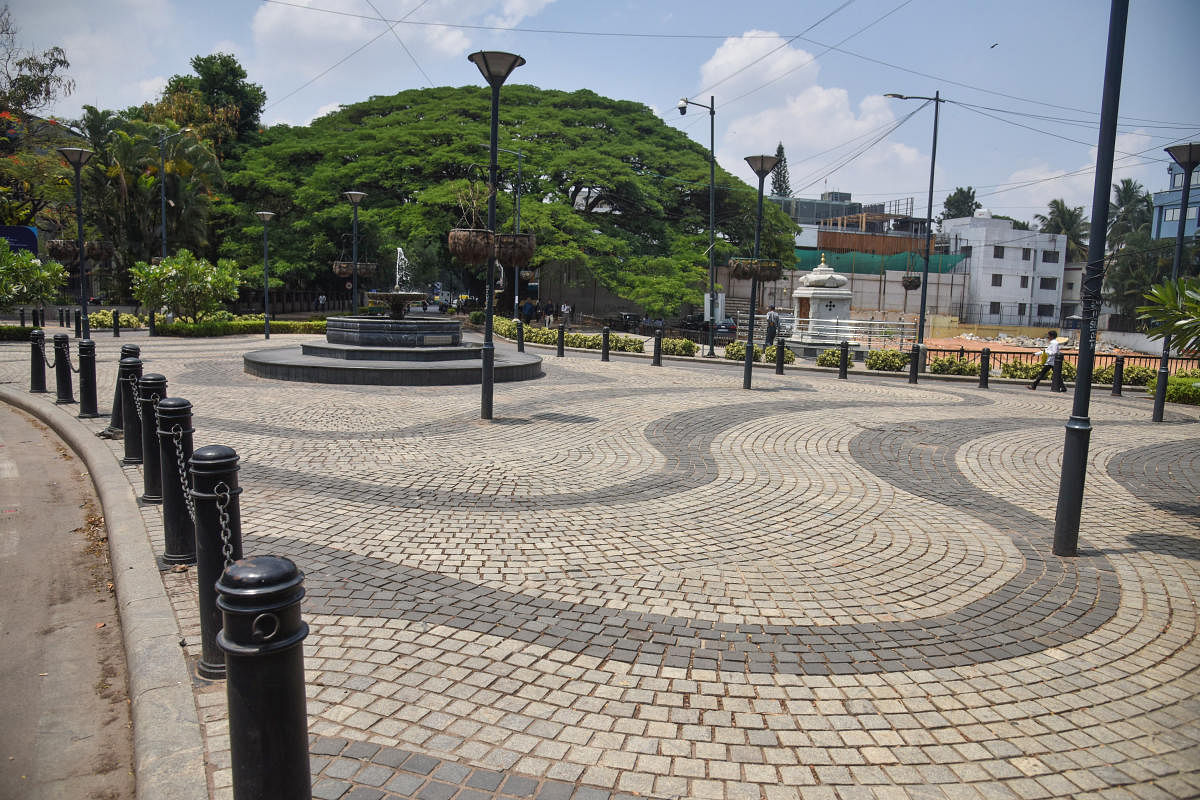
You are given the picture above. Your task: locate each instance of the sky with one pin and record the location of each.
(1022, 79)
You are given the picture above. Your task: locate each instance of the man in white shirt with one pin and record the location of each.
(1051, 352)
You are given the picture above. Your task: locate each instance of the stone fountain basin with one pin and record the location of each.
(384, 332)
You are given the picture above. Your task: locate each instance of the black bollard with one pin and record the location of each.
(562, 339)
(214, 494)
(985, 367)
(262, 636)
(657, 362)
(37, 361)
(116, 417)
(62, 369)
(843, 359)
(151, 388)
(116, 323)
(520, 336)
(174, 450)
(914, 361)
(22, 316)
(87, 380)
(128, 375)
(62, 319)
(1056, 380)
(150, 324)
(1118, 375)
(78, 325)
(604, 344)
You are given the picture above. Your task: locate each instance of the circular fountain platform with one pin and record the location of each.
(376, 351)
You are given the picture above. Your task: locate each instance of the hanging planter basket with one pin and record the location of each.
(344, 269)
(515, 249)
(765, 269)
(910, 282)
(471, 245)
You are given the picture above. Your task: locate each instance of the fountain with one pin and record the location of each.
(398, 350)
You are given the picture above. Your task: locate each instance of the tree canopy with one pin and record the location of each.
(610, 191)
(960, 203)
(781, 182)
(1069, 221)
(1130, 211)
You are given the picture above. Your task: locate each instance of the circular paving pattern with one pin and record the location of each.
(650, 582)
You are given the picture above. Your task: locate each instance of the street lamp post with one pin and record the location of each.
(355, 198)
(937, 101)
(77, 157)
(495, 67)
(762, 166)
(517, 226)
(712, 213)
(163, 138)
(265, 216)
(1186, 156)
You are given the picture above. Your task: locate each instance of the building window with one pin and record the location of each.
(1021, 309)
(1171, 215)
(1026, 253)
(1024, 281)
(1049, 256)
(994, 307)
(1049, 284)
(965, 250)
(997, 251)
(997, 280)
(1191, 211)
(1045, 310)
(1070, 286)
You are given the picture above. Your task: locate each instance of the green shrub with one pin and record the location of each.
(951, 365)
(1188, 373)
(1137, 375)
(887, 360)
(678, 347)
(830, 358)
(1028, 370)
(736, 351)
(104, 319)
(207, 328)
(15, 333)
(1179, 389)
(788, 356)
(587, 341)
(626, 344)
(477, 318)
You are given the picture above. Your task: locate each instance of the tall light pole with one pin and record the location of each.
(163, 138)
(712, 213)
(1186, 156)
(517, 225)
(762, 166)
(77, 157)
(937, 101)
(355, 198)
(495, 67)
(265, 216)
(1079, 426)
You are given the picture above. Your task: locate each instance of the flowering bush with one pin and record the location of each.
(27, 280)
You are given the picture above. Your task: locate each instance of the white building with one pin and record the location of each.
(1014, 277)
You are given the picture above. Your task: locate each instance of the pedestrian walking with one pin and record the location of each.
(1048, 356)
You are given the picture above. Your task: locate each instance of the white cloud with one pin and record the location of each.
(512, 12)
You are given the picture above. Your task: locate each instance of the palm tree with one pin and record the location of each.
(1130, 211)
(1070, 222)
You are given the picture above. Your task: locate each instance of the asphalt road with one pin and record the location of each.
(63, 701)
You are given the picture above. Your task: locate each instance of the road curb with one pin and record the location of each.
(168, 751)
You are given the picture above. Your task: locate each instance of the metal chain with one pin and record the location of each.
(136, 383)
(49, 364)
(223, 497)
(72, 366)
(189, 501)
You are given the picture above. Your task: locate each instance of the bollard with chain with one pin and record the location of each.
(262, 636)
(78, 325)
(174, 450)
(116, 419)
(38, 318)
(562, 339)
(657, 362)
(1056, 379)
(151, 388)
(985, 367)
(1118, 375)
(604, 344)
(37, 361)
(914, 362)
(843, 359)
(22, 316)
(520, 336)
(128, 375)
(62, 369)
(62, 319)
(214, 494)
(116, 323)
(87, 380)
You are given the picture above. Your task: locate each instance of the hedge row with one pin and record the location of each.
(585, 341)
(1180, 388)
(235, 327)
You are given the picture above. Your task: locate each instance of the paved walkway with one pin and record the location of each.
(649, 582)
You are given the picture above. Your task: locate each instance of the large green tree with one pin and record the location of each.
(781, 182)
(611, 192)
(960, 203)
(1141, 263)
(1130, 211)
(1069, 221)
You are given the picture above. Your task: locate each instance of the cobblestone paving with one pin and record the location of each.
(648, 582)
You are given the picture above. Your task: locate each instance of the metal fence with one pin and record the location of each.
(1001, 357)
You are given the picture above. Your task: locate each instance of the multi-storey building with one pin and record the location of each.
(1167, 204)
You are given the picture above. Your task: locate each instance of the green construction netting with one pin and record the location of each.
(871, 264)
